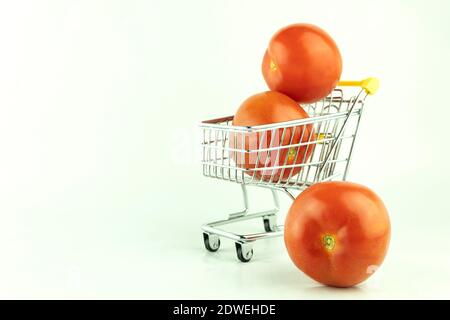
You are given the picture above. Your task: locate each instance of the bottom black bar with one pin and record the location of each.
(227, 309)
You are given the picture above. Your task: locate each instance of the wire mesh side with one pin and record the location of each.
(292, 155)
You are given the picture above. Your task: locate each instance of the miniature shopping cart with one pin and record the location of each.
(288, 163)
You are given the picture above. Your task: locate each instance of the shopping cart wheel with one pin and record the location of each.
(244, 252)
(270, 223)
(211, 241)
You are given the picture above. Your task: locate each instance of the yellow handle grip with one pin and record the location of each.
(370, 85)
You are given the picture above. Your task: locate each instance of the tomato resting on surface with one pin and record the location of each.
(337, 233)
(303, 62)
(264, 149)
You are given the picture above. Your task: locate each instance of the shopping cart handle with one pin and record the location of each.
(370, 85)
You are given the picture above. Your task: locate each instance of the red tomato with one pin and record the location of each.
(266, 108)
(337, 233)
(303, 62)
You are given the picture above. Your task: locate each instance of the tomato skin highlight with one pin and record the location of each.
(303, 62)
(337, 233)
(266, 108)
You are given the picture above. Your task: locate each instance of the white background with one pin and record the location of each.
(101, 194)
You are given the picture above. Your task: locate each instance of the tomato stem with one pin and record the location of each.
(273, 66)
(329, 242)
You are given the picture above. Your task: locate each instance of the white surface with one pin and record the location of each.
(100, 192)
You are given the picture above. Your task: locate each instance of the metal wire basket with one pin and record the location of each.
(286, 156)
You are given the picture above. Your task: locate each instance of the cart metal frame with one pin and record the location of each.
(226, 152)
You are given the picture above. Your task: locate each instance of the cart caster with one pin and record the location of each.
(211, 241)
(244, 252)
(270, 223)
